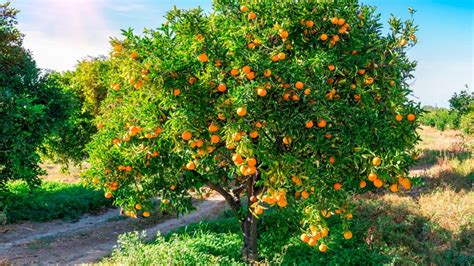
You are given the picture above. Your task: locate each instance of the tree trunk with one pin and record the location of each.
(249, 229)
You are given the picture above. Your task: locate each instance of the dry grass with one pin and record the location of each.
(56, 172)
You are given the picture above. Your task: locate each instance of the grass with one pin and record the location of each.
(52, 200)
(430, 225)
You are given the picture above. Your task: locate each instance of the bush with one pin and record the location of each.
(466, 123)
(51, 200)
(440, 118)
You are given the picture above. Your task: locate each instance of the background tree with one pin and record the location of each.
(289, 104)
(31, 105)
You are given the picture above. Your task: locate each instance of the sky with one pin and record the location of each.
(61, 32)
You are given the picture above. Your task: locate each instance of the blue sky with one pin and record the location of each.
(61, 32)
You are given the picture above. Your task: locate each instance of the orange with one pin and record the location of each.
(138, 206)
(307, 92)
(341, 21)
(134, 55)
(335, 38)
(362, 184)
(244, 9)
(347, 235)
(252, 170)
(108, 195)
(349, 216)
(212, 128)
(138, 85)
(251, 75)
(237, 158)
(376, 161)
(241, 111)
(403, 42)
(115, 86)
(252, 16)
(267, 73)
(411, 117)
(334, 20)
(283, 34)
(100, 125)
(322, 123)
(176, 92)
(323, 37)
(337, 186)
(394, 188)
(378, 183)
(128, 168)
(221, 87)
(246, 69)
(309, 23)
(286, 140)
(304, 237)
(357, 97)
(186, 135)
(203, 57)
(190, 166)
(405, 182)
(323, 248)
(281, 56)
(117, 47)
(312, 242)
(331, 67)
(399, 117)
(215, 139)
(391, 83)
(192, 80)
(304, 194)
(332, 160)
(299, 85)
(261, 92)
(146, 214)
(259, 210)
(295, 97)
(234, 71)
(254, 134)
(251, 162)
(258, 125)
(309, 124)
(244, 169)
(361, 71)
(372, 177)
(368, 81)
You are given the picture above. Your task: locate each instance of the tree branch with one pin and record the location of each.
(234, 203)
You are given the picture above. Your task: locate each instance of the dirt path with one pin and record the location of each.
(89, 239)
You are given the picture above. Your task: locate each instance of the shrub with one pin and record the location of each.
(291, 104)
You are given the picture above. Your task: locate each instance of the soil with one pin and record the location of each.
(89, 239)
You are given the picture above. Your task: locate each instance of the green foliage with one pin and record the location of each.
(440, 118)
(31, 105)
(466, 123)
(378, 238)
(51, 200)
(463, 102)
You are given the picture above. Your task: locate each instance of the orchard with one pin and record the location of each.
(272, 104)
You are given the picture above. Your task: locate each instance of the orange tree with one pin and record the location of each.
(291, 104)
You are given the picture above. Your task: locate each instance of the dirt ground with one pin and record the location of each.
(90, 238)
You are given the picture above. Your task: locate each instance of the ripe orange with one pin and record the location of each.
(391, 83)
(258, 210)
(335, 38)
(251, 162)
(128, 168)
(241, 111)
(334, 20)
(251, 75)
(394, 188)
(138, 85)
(286, 140)
(347, 235)
(254, 134)
(372, 177)
(304, 194)
(349, 216)
(337, 186)
(323, 248)
(361, 71)
(411, 117)
(378, 183)
(299, 85)
(203, 57)
(362, 184)
(234, 71)
(108, 195)
(252, 16)
(405, 182)
(117, 47)
(322, 123)
(213, 128)
(403, 42)
(281, 56)
(331, 67)
(246, 69)
(399, 117)
(341, 21)
(261, 92)
(295, 97)
(215, 139)
(237, 158)
(309, 23)
(258, 124)
(332, 160)
(134, 55)
(176, 92)
(244, 9)
(312, 242)
(146, 214)
(115, 86)
(186, 135)
(376, 161)
(267, 73)
(323, 37)
(369, 81)
(307, 92)
(309, 124)
(190, 166)
(138, 206)
(222, 87)
(304, 237)
(283, 34)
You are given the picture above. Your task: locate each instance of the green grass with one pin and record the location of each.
(382, 235)
(52, 200)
